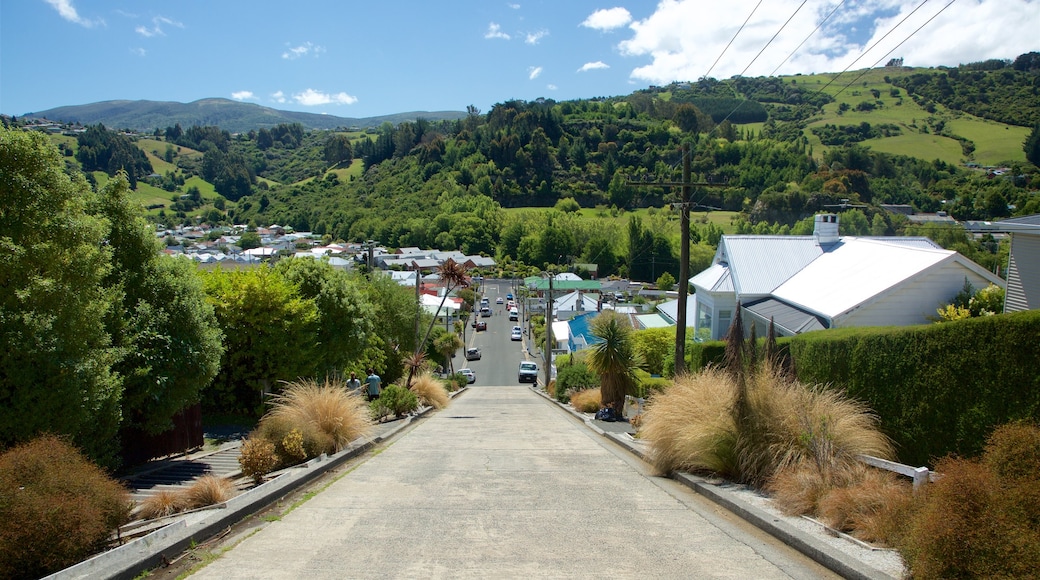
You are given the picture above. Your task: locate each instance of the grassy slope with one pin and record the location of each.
(994, 142)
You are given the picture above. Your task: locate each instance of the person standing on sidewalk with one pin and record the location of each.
(374, 385)
(354, 384)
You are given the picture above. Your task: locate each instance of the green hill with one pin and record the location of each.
(233, 116)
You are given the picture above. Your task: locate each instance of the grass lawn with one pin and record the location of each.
(619, 223)
(995, 143)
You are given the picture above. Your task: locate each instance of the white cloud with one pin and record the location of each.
(243, 95)
(302, 50)
(551, 87)
(679, 47)
(535, 37)
(495, 31)
(158, 22)
(514, 6)
(593, 66)
(67, 11)
(312, 98)
(139, 51)
(278, 97)
(533, 72)
(609, 18)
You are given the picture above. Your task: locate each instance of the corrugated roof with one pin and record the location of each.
(715, 279)
(853, 272)
(654, 320)
(670, 309)
(766, 262)
(789, 319)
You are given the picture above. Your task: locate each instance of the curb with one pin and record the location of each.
(153, 550)
(828, 557)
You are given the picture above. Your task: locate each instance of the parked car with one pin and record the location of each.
(516, 334)
(472, 354)
(481, 326)
(471, 377)
(509, 296)
(514, 314)
(528, 372)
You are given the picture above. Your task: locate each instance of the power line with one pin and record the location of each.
(737, 33)
(795, 13)
(806, 39)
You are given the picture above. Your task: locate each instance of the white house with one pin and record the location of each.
(824, 280)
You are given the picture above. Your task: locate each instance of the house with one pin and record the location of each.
(1023, 284)
(821, 281)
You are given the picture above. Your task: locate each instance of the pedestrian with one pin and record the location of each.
(354, 384)
(374, 384)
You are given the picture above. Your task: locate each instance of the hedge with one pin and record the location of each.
(939, 388)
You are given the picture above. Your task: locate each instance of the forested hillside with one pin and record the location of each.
(775, 151)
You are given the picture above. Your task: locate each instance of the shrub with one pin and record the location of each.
(398, 400)
(162, 504)
(572, 378)
(56, 508)
(278, 429)
(328, 415)
(865, 503)
(257, 458)
(587, 401)
(208, 490)
(980, 519)
(430, 391)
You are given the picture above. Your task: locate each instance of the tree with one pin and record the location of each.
(1032, 146)
(344, 316)
(613, 358)
(55, 372)
(686, 117)
(164, 328)
(666, 282)
(338, 150)
(269, 334)
(453, 275)
(448, 344)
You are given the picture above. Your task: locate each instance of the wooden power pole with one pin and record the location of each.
(684, 252)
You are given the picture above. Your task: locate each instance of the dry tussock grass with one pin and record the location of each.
(328, 414)
(161, 505)
(208, 490)
(868, 506)
(587, 401)
(430, 391)
(690, 427)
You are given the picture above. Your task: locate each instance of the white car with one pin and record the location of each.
(471, 377)
(516, 334)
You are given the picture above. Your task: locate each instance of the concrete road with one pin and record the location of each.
(503, 484)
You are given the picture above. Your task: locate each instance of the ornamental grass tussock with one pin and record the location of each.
(586, 401)
(430, 391)
(208, 490)
(160, 505)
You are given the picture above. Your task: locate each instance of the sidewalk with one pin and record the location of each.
(502, 484)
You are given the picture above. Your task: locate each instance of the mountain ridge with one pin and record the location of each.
(230, 115)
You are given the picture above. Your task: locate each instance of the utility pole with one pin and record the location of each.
(548, 333)
(684, 251)
(418, 302)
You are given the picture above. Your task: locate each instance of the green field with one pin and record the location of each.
(994, 142)
(619, 222)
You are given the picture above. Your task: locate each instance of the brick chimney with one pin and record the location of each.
(825, 228)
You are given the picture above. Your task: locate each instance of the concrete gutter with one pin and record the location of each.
(831, 558)
(159, 547)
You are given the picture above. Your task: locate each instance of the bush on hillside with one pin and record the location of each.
(56, 508)
(430, 391)
(394, 400)
(587, 401)
(572, 378)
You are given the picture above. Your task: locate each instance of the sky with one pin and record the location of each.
(380, 57)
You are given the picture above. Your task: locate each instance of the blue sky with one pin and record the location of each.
(362, 59)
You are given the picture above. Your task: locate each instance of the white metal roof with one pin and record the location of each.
(766, 262)
(714, 279)
(855, 271)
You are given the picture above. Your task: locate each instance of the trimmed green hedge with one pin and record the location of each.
(939, 388)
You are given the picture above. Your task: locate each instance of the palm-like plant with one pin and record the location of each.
(614, 359)
(448, 344)
(453, 275)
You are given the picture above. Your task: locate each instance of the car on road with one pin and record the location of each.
(485, 311)
(514, 314)
(472, 354)
(499, 300)
(509, 296)
(481, 326)
(528, 372)
(516, 333)
(471, 377)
